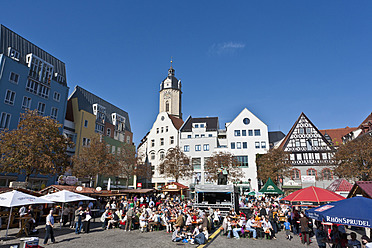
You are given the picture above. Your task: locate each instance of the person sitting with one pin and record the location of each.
(249, 227)
(114, 219)
(366, 241)
(179, 221)
(353, 242)
(104, 219)
(176, 236)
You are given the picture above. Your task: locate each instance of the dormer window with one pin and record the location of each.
(118, 121)
(40, 70)
(14, 54)
(99, 111)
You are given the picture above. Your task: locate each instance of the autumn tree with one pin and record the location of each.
(353, 160)
(37, 146)
(176, 165)
(143, 171)
(274, 164)
(126, 160)
(224, 161)
(94, 158)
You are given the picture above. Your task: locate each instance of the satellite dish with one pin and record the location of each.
(79, 188)
(98, 189)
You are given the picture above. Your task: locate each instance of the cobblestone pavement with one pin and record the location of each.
(113, 238)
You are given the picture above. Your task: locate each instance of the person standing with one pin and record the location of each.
(88, 216)
(78, 220)
(304, 229)
(49, 228)
(128, 223)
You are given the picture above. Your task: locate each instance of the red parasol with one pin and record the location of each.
(313, 194)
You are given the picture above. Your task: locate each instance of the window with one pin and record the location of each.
(327, 174)
(43, 91)
(186, 148)
(196, 162)
(311, 172)
(99, 128)
(244, 132)
(162, 129)
(298, 144)
(167, 107)
(4, 120)
(171, 140)
(161, 141)
(202, 135)
(210, 135)
(39, 69)
(166, 129)
(317, 156)
(299, 156)
(26, 103)
(162, 155)
(242, 161)
(257, 132)
(232, 145)
(32, 86)
(301, 130)
(9, 97)
(85, 123)
(296, 174)
(14, 54)
(206, 147)
(250, 132)
(189, 136)
(54, 113)
(14, 78)
(324, 155)
(246, 121)
(196, 125)
(316, 143)
(41, 108)
(56, 96)
(238, 145)
(308, 130)
(128, 139)
(108, 132)
(197, 148)
(292, 156)
(245, 145)
(201, 125)
(263, 144)
(86, 142)
(157, 130)
(237, 132)
(113, 149)
(257, 144)
(196, 135)
(152, 143)
(152, 156)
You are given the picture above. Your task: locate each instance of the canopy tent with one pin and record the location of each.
(313, 194)
(354, 211)
(270, 188)
(15, 199)
(363, 188)
(64, 196)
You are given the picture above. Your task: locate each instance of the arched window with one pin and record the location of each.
(167, 106)
(311, 172)
(296, 174)
(161, 155)
(327, 174)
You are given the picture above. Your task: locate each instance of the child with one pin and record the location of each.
(287, 227)
(229, 229)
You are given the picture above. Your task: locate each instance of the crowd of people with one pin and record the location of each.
(260, 217)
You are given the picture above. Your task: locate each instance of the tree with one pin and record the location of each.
(176, 165)
(274, 164)
(127, 159)
(35, 147)
(353, 160)
(94, 159)
(225, 161)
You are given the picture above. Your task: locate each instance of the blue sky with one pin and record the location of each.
(277, 58)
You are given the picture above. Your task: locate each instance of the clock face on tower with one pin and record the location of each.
(167, 95)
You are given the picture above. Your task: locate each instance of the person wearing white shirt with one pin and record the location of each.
(249, 227)
(49, 228)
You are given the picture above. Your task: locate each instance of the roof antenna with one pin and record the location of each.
(171, 62)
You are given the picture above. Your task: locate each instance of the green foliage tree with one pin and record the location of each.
(35, 147)
(223, 161)
(126, 160)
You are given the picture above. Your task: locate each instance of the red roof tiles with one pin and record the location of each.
(177, 122)
(340, 185)
(337, 134)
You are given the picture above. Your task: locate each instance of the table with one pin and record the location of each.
(24, 221)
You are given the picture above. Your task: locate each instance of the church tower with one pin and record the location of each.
(170, 95)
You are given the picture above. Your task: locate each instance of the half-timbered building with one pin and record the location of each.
(310, 153)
